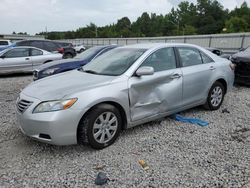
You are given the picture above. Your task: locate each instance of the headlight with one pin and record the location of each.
(50, 106)
(50, 71)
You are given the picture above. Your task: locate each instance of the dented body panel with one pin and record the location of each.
(154, 94)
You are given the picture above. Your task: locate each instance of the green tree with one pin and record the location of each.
(236, 24)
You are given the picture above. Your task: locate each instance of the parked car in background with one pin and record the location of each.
(242, 70)
(51, 46)
(24, 59)
(79, 48)
(70, 64)
(4, 43)
(122, 88)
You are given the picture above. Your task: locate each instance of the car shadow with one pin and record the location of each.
(15, 75)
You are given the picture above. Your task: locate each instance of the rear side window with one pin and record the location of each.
(50, 46)
(189, 56)
(35, 52)
(18, 52)
(163, 59)
(37, 44)
(205, 58)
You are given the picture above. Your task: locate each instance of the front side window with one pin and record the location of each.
(115, 62)
(163, 59)
(189, 56)
(35, 52)
(19, 52)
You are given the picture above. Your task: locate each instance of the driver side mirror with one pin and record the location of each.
(2, 56)
(145, 70)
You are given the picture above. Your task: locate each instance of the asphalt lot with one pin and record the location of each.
(178, 154)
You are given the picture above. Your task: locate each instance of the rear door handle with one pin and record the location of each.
(175, 76)
(27, 58)
(212, 68)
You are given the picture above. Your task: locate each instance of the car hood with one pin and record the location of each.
(241, 57)
(58, 62)
(61, 85)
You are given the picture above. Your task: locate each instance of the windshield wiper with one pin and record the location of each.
(89, 71)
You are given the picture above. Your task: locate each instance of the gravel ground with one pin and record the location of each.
(178, 154)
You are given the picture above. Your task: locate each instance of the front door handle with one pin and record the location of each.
(212, 68)
(27, 58)
(175, 76)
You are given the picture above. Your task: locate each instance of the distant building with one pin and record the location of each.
(17, 37)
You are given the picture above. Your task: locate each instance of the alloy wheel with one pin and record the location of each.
(105, 127)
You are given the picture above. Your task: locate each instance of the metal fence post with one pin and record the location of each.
(210, 41)
(243, 40)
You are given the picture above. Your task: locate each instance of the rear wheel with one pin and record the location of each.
(100, 127)
(215, 96)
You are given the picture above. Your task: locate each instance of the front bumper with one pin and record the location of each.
(58, 128)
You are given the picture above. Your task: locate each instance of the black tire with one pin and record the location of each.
(47, 61)
(211, 105)
(81, 50)
(67, 56)
(86, 131)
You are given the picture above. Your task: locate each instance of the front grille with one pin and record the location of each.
(23, 105)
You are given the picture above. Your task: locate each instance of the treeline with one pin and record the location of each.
(204, 17)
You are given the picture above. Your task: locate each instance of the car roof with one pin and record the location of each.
(16, 47)
(158, 45)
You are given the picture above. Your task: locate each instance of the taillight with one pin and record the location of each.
(232, 66)
(60, 50)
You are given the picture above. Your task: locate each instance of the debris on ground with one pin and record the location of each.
(99, 167)
(143, 164)
(101, 178)
(225, 110)
(183, 119)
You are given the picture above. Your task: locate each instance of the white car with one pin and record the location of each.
(24, 59)
(79, 48)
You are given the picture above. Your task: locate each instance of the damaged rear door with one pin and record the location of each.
(158, 93)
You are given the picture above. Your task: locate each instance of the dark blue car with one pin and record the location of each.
(64, 65)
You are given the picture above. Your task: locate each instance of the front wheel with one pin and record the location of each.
(100, 127)
(215, 96)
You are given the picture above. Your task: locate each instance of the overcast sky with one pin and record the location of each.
(32, 16)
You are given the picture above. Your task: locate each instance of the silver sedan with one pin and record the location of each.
(24, 59)
(123, 88)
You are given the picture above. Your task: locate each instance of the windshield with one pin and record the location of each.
(90, 53)
(114, 62)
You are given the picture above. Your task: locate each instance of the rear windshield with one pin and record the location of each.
(90, 53)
